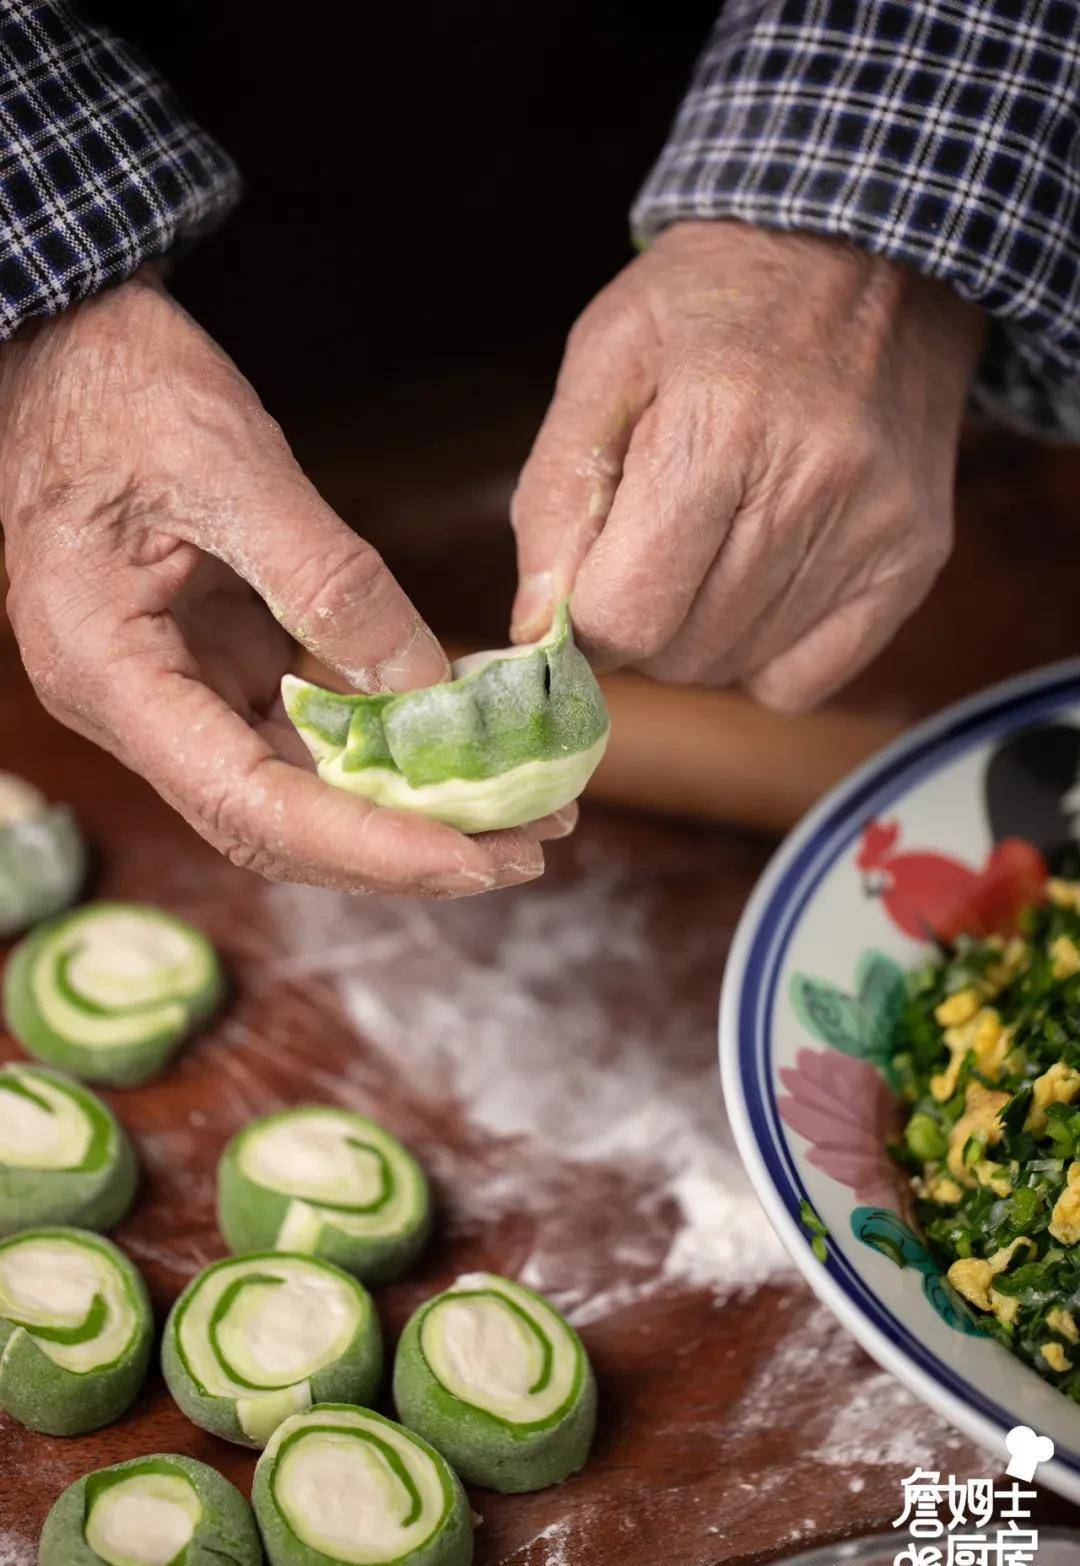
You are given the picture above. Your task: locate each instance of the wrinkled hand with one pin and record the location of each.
(746, 472)
(152, 511)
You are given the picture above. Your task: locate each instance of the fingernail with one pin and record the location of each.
(532, 606)
(460, 883)
(564, 821)
(512, 874)
(419, 661)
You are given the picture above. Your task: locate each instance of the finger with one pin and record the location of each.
(328, 587)
(774, 577)
(834, 650)
(567, 484)
(680, 489)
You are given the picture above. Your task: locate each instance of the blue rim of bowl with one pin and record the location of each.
(748, 1002)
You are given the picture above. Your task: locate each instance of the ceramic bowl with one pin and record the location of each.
(929, 837)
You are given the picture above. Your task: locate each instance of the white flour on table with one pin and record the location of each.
(548, 1019)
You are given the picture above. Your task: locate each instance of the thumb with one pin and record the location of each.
(330, 589)
(568, 483)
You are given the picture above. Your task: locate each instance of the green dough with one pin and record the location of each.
(339, 1483)
(75, 1330)
(164, 1510)
(254, 1339)
(110, 991)
(42, 857)
(329, 1183)
(64, 1158)
(499, 1383)
(514, 736)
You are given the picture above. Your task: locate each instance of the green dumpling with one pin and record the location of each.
(76, 1330)
(64, 1158)
(339, 1483)
(42, 856)
(164, 1510)
(111, 991)
(514, 736)
(252, 1339)
(326, 1182)
(498, 1381)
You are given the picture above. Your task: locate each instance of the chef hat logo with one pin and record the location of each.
(1026, 1451)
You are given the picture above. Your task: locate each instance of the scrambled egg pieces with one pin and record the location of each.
(979, 1030)
(1059, 1085)
(974, 1278)
(980, 1118)
(1066, 894)
(1061, 1320)
(1065, 1219)
(1065, 958)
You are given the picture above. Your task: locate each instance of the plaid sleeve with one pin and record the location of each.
(100, 170)
(944, 134)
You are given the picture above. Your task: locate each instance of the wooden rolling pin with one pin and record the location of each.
(716, 756)
(712, 755)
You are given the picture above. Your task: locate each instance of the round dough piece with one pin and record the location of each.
(339, 1483)
(254, 1339)
(326, 1182)
(76, 1330)
(499, 1382)
(64, 1157)
(111, 991)
(42, 856)
(515, 735)
(164, 1510)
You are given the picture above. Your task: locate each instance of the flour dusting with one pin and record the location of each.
(506, 1006)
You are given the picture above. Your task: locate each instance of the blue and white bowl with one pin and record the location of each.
(933, 834)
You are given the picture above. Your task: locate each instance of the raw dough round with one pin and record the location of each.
(498, 1381)
(64, 1157)
(326, 1182)
(76, 1330)
(254, 1339)
(339, 1483)
(145, 1513)
(42, 856)
(111, 991)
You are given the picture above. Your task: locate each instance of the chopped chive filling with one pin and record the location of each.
(987, 1058)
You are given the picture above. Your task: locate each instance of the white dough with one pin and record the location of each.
(339, 1494)
(34, 1138)
(486, 1355)
(144, 1521)
(53, 1283)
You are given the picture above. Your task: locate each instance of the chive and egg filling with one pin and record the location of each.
(987, 1057)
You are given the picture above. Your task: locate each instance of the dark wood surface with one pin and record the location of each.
(738, 1419)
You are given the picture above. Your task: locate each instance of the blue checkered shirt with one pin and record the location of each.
(943, 134)
(100, 169)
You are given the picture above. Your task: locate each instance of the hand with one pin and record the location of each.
(144, 493)
(746, 472)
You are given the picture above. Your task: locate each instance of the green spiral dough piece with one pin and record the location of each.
(339, 1483)
(498, 1381)
(42, 856)
(164, 1510)
(254, 1339)
(75, 1330)
(64, 1158)
(515, 735)
(110, 991)
(326, 1182)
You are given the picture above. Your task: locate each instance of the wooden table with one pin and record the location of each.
(549, 1053)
